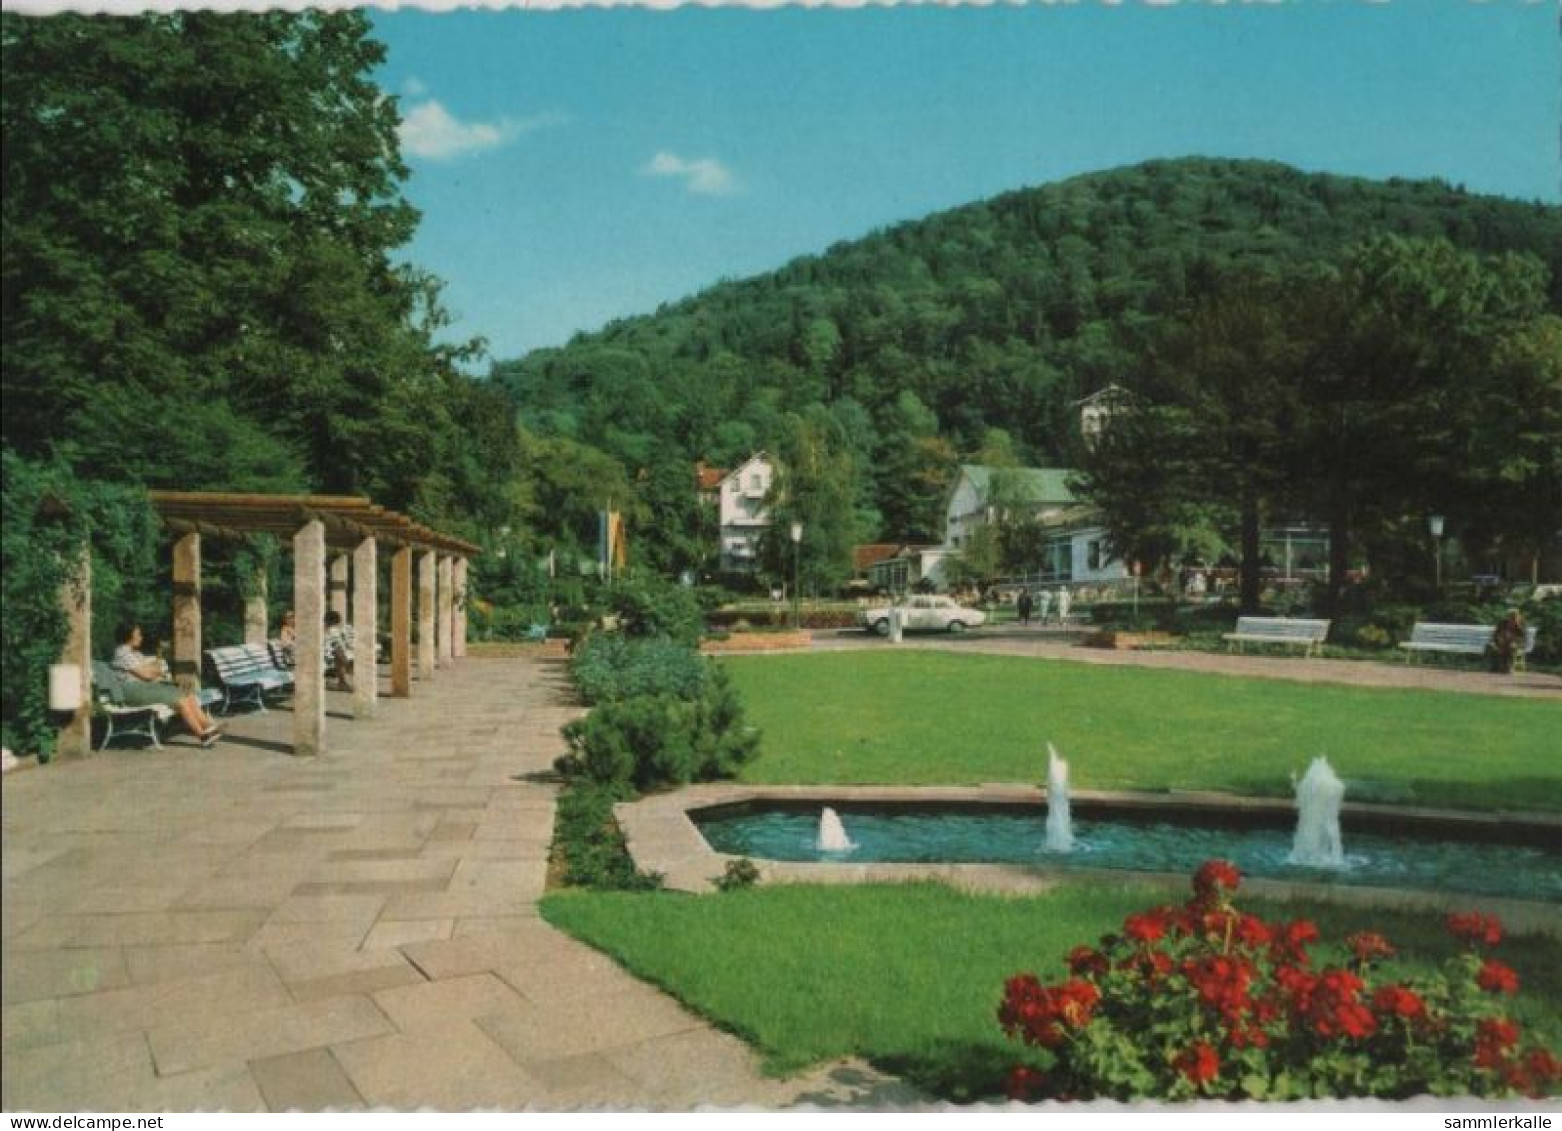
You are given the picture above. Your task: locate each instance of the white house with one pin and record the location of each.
(744, 517)
(1076, 542)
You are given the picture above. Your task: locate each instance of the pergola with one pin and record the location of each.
(335, 541)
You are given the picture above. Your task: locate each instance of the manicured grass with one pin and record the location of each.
(920, 718)
(909, 976)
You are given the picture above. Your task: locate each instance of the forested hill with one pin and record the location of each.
(997, 314)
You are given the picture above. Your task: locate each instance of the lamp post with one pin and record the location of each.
(1434, 523)
(797, 557)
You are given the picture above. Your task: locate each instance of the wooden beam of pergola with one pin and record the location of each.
(348, 519)
(318, 527)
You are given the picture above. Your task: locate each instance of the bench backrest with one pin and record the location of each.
(1289, 627)
(1475, 636)
(239, 662)
(108, 683)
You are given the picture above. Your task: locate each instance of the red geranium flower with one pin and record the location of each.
(1543, 1068)
(1497, 1031)
(1253, 932)
(1025, 1083)
(1368, 945)
(1399, 1001)
(1087, 961)
(1145, 927)
(1497, 978)
(1291, 940)
(1475, 929)
(1198, 1063)
(1214, 876)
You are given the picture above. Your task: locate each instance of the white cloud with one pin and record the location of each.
(705, 176)
(414, 88)
(435, 134)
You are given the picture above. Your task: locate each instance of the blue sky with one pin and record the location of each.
(579, 166)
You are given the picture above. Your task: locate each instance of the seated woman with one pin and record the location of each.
(147, 683)
(338, 651)
(287, 640)
(1507, 643)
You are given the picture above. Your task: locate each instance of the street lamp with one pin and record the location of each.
(1434, 523)
(797, 555)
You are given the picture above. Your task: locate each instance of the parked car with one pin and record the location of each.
(924, 614)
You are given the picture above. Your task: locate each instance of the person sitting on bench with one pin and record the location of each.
(148, 684)
(338, 651)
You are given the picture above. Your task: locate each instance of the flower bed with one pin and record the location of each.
(758, 642)
(1203, 1000)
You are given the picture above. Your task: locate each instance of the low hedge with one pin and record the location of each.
(779, 616)
(658, 740)
(663, 715)
(608, 667)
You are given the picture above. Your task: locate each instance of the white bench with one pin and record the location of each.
(121, 720)
(247, 674)
(1310, 634)
(1460, 640)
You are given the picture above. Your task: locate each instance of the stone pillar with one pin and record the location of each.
(75, 738)
(187, 611)
(338, 587)
(425, 614)
(401, 622)
(458, 645)
(447, 612)
(257, 627)
(309, 608)
(366, 629)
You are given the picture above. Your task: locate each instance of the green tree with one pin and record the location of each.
(814, 485)
(1408, 336)
(199, 221)
(914, 465)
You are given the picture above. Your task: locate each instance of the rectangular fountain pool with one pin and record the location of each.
(1519, 866)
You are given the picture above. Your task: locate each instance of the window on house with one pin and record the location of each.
(1093, 554)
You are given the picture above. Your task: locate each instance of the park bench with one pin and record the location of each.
(120, 719)
(246, 673)
(1460, 640)
(1310, 634)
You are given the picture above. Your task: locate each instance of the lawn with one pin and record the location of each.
(920, 718)
(910, 976)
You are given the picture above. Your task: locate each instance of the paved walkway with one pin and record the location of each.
(1057, 644)
(245, 930)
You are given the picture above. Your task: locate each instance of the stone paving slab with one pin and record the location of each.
(311, 1080)
(238, 928)
(456, 1068)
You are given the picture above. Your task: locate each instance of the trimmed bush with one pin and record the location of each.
(504, 623)
(651, 607)
(588, 846)
(662, 739)
(608, 667)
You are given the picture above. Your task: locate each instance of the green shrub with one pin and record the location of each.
(1546, 618)
(1373, 636)
(662, 739)
(589, 846)
(503, 623)
(607, 667)
(1151, 616)
(49, 515)
(779, 615)
(651, 607)
(739, 874)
